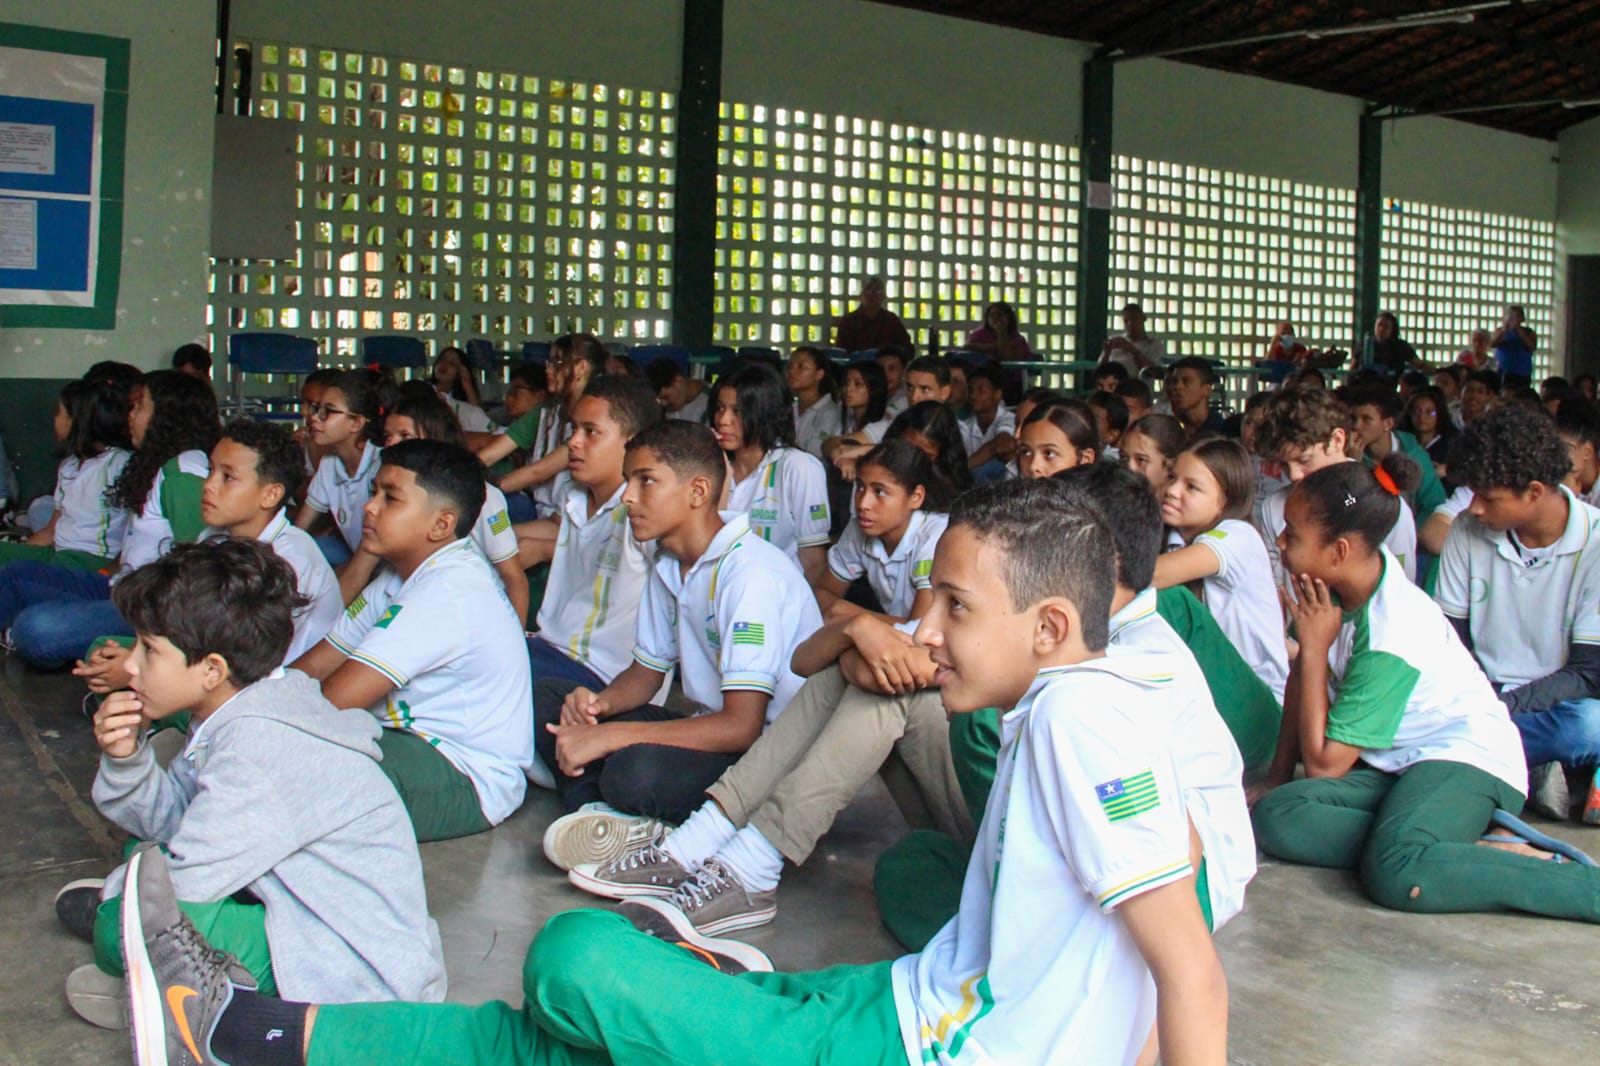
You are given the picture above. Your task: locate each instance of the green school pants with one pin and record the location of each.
(598, 991)
(1414, 839)
(17, 552)
(227, 924)
(440, 799)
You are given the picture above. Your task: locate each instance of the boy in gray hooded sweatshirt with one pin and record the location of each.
(277, 792)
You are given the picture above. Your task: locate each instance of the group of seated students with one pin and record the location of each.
(1088, 645)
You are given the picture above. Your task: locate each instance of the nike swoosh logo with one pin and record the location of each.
(177, 996)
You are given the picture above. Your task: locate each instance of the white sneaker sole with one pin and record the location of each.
(753, 959)
(96, 883)
(735, 922)
(98, 998)
(594, 836)
(584, 876)
(145, 1013)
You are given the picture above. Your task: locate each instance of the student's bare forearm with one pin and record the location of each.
(821, 649)
(631, 689)
(1287, 756)
(1192, 1014)
(535, 473)
(1311, 714)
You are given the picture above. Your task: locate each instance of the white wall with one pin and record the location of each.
(162, 297)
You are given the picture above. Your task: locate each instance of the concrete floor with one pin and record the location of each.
(1317, 974)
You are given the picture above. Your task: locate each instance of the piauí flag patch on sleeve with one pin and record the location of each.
(1128, 797)
(819, 512)
(388, 616)
(1216, 534)
(923, 568)
(499, 522)
(357, 605)
(753, 633)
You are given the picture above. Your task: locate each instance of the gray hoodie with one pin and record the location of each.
(280, 793)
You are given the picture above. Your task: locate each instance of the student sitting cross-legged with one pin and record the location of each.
(1411, 760)
(1079, 927)
(721, 868)
(433, 648)
(277, 795)
(1520, 579)
(255, 468)
(723, 606)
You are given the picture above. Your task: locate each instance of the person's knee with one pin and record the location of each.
(1584, 729)
(570, 949)
(636, 778)
(44, 639)
(1391, 878)
(1272, 817)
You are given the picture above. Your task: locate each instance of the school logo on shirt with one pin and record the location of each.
(752, 633)
(499, 522)
(1217, 533)
(923, 568)
(763, 514)
(388, 616)
(1127, 797)
(819, 512)
(357, 605)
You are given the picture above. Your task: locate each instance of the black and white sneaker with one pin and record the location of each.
(659, 918)
(178, 984)
(77, 903)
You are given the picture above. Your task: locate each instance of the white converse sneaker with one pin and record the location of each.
(596, 833)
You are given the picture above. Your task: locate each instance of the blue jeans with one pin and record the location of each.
(54, 613)
(334, 549)
(547, 660)
(993, 470)
(519, 507)
(1567, 733)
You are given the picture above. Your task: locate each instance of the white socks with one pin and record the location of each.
(701, 837)
(753, 860)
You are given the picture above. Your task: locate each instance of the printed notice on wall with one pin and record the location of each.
(19, 235)
(26, 148)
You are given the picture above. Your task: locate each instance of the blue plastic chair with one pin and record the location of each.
(769, 353)
(645, 354)
(482, 355)
(833, 355)
(268, 353)
(393, 352)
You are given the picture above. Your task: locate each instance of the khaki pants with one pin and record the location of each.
(827, 743)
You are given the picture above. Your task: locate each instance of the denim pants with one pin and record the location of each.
(1568, 732)
(55, 613)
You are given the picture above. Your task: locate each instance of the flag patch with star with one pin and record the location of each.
(388, 616)
(819, 512)
(499, 522)
(753, 633)
(1127, 797)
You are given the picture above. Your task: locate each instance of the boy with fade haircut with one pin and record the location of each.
(433, 649)
(1305, 430)
(927, 378)
(679, 395)
(918, 879)
(277, 794)
(255, 472)
(1081, 880)
(597, 576)
(1374, 410)
(991, 431)
(1136, 394)
(724, 607)
(1525, 549)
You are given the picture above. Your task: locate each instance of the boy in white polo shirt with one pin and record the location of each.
(1079, 927)
(1520, 579)
(434, 650)
(723, 606)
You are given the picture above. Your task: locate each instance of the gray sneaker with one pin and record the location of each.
(660, 919)
(596, 833)
(178, 984)
(646, 871)
(716, 902)
(98, 998)
(1547, 791)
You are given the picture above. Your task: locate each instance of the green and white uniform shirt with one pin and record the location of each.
(338, 492)
(313, 578)
(85, 522)
(816, 424)
(1086, 812)
(786, 499)
(1404, 689)
(1243, 597)
(540, 432)
(1525, 607)
(492, 533)
(171, 512)
(453, 647)
(896, 577)
(597, 578)
(732, 623)
(1401, 541)
(1210, 768)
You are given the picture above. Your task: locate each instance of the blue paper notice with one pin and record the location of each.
(46, 145)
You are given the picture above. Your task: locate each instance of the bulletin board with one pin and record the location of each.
(63, 129)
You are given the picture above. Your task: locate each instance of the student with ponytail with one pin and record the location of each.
(1414, 772)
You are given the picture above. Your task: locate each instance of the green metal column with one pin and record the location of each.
(1094, 223)
(694, 238)
(1369, 227)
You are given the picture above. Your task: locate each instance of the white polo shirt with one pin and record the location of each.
(874, 431)
(540, 432)
(472, 418)
(1087, 811)
(786, 499)
(314, 579)
(695, 409)
(1401, 541)
(732, 623)
(1524, 610)
(816, 424)
(896, 576)
(1455, 503)
(453, 647)
(898, 401)
(1005, 421)
(492, 532)
(1210, 768)
(1404, 689)
(150, 532)
(85, 522)
(1243, 598)
(597, 578)
(336, 491)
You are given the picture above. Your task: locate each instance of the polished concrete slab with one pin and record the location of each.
(1317, 974)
